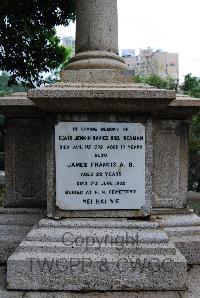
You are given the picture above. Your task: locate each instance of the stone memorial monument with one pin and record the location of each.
(25, 171)
(114, 162)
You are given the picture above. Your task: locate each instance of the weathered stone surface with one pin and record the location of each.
(17, 105)
(25, 163)
(96, 60)
(184, 231)
(14, 226)
(62, 97)
(171, 211)
(96, 36)
(97, 26)
(170, 174)
(193, 290)
(184, 107)
(66, 255)
(170, 177)
(25, 152)
(103, 77)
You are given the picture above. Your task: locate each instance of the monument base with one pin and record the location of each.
(15, 223)
(96, 254)
(193, 289)
(183, 229)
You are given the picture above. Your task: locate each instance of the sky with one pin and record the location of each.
(171, 26)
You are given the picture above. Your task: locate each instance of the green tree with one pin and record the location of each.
(28, 42)
(54, 76)
(156, 81)
(194, 166)
(191, 87)
(5, 89)
(2, 162)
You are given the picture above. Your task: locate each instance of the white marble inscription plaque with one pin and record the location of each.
(100, 165)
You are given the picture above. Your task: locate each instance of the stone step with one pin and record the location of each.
(98, 271)
(98, 223)
(192, 291)
(44, 262)
(183, 231)
(62, 248)
(178, 220)
(189, 246)
(110, 234)
(187, 238)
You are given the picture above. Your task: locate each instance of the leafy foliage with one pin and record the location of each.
(28, 41)
(194, 167)
(55, 74)
(2, 162)
(156, 81)
(5, 89)
(191, 86)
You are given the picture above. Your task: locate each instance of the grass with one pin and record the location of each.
(195, 206)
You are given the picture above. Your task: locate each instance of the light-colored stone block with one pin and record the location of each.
(61, 97)
(98, 254)
(184, 231)
(170, 170)
(184, 107)
(193, 290)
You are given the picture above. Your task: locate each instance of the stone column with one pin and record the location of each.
(96, 36)
(97, 26)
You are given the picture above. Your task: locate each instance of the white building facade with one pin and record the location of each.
(149, 62)
(69, 42)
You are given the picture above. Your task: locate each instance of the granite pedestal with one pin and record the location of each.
(25, 171)
(111, 249)
(25, 152)
(170, 181)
